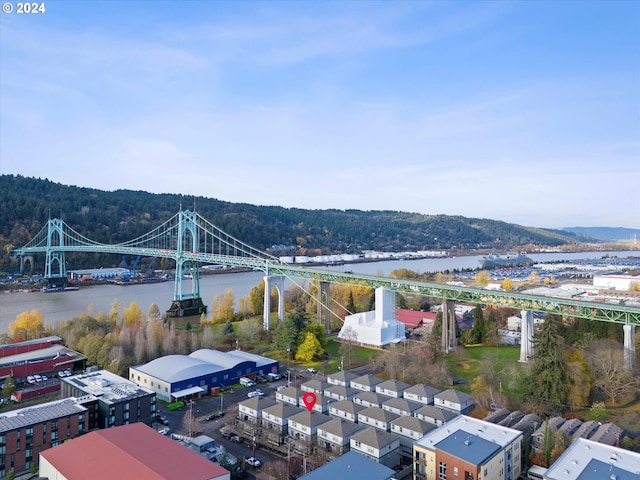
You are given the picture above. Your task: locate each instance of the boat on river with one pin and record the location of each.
(511, 259)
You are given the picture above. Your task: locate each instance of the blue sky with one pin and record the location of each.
(527, 112)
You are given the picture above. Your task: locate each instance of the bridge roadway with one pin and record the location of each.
(612, 313)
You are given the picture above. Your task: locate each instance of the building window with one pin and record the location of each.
(442, 471)
(455, 471)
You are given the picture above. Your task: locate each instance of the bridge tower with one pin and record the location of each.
(55, 270)
(629, 346)
(448, 341)
(269, 282)
(526, 336)
(186, 304)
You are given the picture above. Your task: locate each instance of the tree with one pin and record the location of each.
(28, 326)
(477, 333)
(351, 306)
(483, 278)
(190, 422)
(349, 339)
(605, 359)
(133, 315)
(547, 383)
(286, 337)
(318, 331)
(8, 387)
(229, 333)
(222, 307)
(309, 349)
(507, 285)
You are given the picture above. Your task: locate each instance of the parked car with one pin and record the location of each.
(214, 415)
(312, 370)
(31, 379)
(253, 461)
(164, 431)
(227, 433)
(255, 393)
(281, 387)
(235, 438)
(164, 420)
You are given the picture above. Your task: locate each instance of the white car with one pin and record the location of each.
(31, 379)
(253, 461)
(312, 370)
(255, 393)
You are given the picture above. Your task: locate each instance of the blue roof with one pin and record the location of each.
(468, 447)
(353, 466)
(599, 469)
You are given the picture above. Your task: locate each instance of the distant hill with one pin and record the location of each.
(113, 217)
(606, 234)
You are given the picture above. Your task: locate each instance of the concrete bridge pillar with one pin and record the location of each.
(323, 306)
(629, 346)
(269, 282)
(526, 338)
(448, 326)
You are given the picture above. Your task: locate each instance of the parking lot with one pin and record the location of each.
(204, 407)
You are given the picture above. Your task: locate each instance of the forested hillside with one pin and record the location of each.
(111, 217)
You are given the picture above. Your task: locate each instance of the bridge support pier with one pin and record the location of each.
(448, 326)
(323, 306)
(269, 282)
(24, 259)
(526, 336)
(629, 346)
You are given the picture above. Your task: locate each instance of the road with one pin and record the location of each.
(204, 406)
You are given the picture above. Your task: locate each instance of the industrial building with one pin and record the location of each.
(176, 377)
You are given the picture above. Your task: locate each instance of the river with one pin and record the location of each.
(99, 298)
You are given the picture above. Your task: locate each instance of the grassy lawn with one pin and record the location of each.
(467, 364)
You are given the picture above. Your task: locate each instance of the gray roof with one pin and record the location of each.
(378, 414)
(608, 433)
(511, 419)
(414, 424)
(317, 386)
(375, 437)
(402, 404)
(347, 406)
(570, 426)
(367, 380)
(343, 376)
(422, 390)
(371, 397)
(393, 385)
(468, 447)
(341, 428)
(44, 412)
(310, 419)
(497, 415)
(258, 403)
(291, 392)
(528, 423)
(175, 368)
(358, 466)
(452, 395)
(554, 424)
(340, 390)
(436, 413)
(585, 430)
(282, 410)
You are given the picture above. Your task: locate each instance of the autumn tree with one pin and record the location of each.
(483, 278)
(256, 298)
(8, 387)
(222, 307)
(133, 315)
(28, 326)
(309, 349)
(547, 382)
(507, 285)
(580, 379)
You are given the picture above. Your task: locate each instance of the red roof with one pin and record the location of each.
(413, 319)
(129, 452)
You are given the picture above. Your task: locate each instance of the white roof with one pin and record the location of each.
(174, 368)
(586, 459)
(485, 430)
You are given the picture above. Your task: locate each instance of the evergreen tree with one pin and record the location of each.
(547, 383)
(351, 306)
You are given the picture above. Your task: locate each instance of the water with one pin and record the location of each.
(99, 298)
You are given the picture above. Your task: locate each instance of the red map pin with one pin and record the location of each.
(309, 399)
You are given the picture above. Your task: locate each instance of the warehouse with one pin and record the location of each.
(176, 377)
